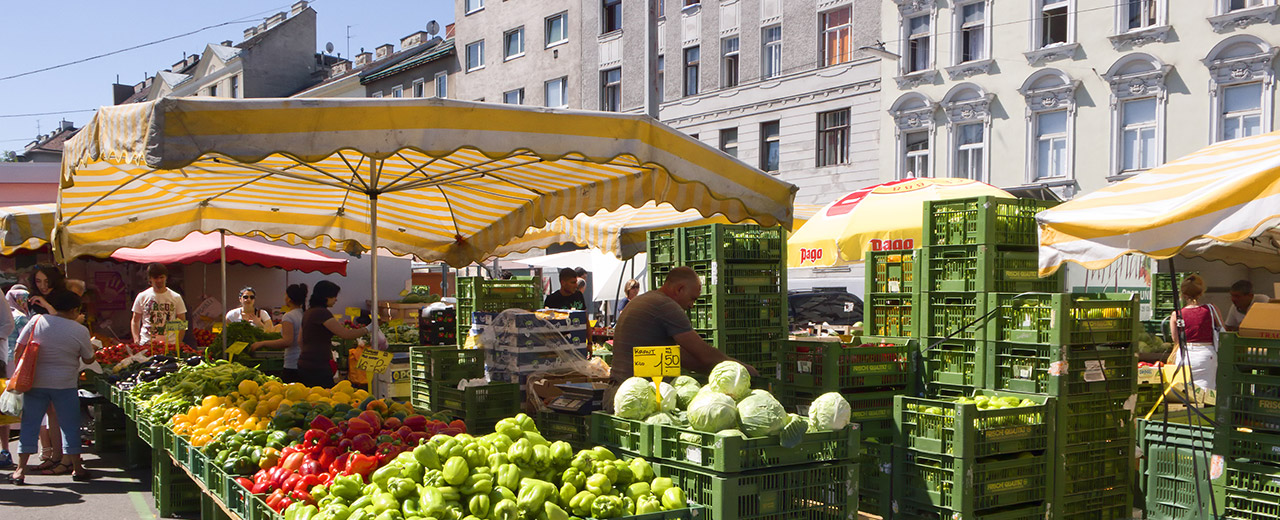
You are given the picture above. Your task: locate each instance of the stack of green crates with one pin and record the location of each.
(1248, 433)
(434, 374)
(476, 293)
(1163, 291)
(743, 307)
(1176, 470)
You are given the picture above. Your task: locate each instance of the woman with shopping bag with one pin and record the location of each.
(48, 354)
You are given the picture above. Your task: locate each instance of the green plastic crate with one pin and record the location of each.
(739, 311)
(713, 452)
(1093, 420)
(173, 490)
(891, 314)
(875, 477)
(664, 246)
(733, 242)
(1178, 484)
(963, 430)
(894, 272)
(984, 268)
(219, 483)
(1245, 445)
(719, 278)
(829, 366)
(420, 394)
(812, 492)
(757, 347)
(958, 315)
(568, 427)
(1243, 505)
(1061, 370)
(238, 499)
(969, 485)
(954, 363)
(982, 220)
(1251, 401)
(1063, 318)
(625, 434)
(872, 410)
(477, 293)
(259, 510)
(147, 432)
(1248, 354)
(448, 364)
(480, 407)
(917, 511)
(1248, 480)
(1091, 467)
(1105, 504)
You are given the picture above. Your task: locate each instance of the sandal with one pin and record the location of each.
(83, 476)
(17, 481)
(47, 464)
(60, 468)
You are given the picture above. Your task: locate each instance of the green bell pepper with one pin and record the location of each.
(432, 477)
(474, 456)
(505, 509)
(508, 476)
(637, 489)
(625, 476)
(385, 501)
(409, 466)
(628, 506)
(510, 428)
(541, 457)
(536, 438)
(410, 507)
(567, 491)
(533, 493)
(384, 474)
(554, 512)
(479, 505)
(427, 457)
(430, 501)
(648, 504)
(477, 483)
(455, 470)
(607, 507)
(660, 485)
(346, 487)
(581, 462)
(574, 476)
(500, 493)
(561, 453)
(599, 484)
(642, 470)
(402, 488)
(581, 503)
(526, 423)
(362, 502)
(450, 494)
(673, 498)
(334, 512)
(497, 459)
(360, 514)
(603, 453)
(521, 452)
(390, 514)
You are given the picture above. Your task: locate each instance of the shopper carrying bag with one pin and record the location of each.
(24, 374)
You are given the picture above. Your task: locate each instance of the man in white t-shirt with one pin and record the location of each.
(156, 306)
(1242, 298)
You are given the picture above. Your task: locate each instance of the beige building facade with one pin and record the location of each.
(1070, 94)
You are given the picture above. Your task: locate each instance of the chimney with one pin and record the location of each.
(66, 125)
(275, 19)
(192, 59)
(363, 58)
(413, 40)
(226, 43)
(179, 65)
(339, 68)
(250, 32)
(384, 50)
(297, 7)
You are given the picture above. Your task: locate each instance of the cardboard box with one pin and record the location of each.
(1262, 321)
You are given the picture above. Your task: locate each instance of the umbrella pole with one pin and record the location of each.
(373, 268)
(222, 251)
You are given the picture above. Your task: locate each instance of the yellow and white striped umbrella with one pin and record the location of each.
(440, 179)
(26, 227)
(624, 231)
(1219, 203)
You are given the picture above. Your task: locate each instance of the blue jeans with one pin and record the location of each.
(66, 402)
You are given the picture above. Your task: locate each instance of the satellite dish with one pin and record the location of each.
(328, 47)
(432, 28)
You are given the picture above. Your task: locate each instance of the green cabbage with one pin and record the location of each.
(793, 433)
(761, 415)
(636, 399)
(731, 433)
(669, 401)
(686, 388)
(730, 378)
(660, 418)
(829, 412)
(713, 411)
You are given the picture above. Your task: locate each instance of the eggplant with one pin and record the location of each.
(150, 375)
(194, 360)
(160, 360)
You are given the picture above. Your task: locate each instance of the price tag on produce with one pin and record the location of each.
(236, 348)
(354, 312)
(395, 323)
(216, 328)
(373, 361)
(1094, 371)
(171, 330)
(656, 363)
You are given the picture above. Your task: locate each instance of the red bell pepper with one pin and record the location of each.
(300, 496)
(277, 480)
(326, 477)
(291, 482)
(315, 437)
(273, 500)
(358, 426)
(309, 467)
(361, 464)
(245, 483)
(327, 456)
(283, 504)
(417, 423)
(294, 461)
(308, 482)
(340, 463)
(322, 423)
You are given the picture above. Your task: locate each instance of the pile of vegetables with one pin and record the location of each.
(511, 474)
(419, 294)
(942, 421)
(727, 405)
(1149, 343)
(404, 333)
(235, 332)
(177, 392)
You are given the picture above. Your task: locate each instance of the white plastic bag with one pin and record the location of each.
(11, 403)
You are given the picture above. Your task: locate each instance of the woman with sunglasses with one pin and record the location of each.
(247, 311)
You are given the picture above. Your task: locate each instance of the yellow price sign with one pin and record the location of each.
(354, 312)
(217, 328)
(656, 363)
(373, 361)
(236, 348)
(395, 323)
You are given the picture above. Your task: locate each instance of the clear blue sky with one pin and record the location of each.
(46, 33)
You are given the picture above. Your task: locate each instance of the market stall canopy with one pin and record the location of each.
(623, 232)
(26, 228)
(205, 248)
(440, 179)
(883, 216)
(1219, 203)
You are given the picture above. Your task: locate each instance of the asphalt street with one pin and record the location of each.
(116, 493)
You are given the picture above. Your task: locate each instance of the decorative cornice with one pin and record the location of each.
(1062, 51)
(1243, 18)
(968, 110)
(970, 68)
(1243, 68)
(1052, 98)
(824, 5)
(816, 95)
(1142, 84)
(915, 79)
(910, 7)
(1140, 37)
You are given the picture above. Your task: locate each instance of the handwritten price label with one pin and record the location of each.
(354, 312)
(373, 361)
(656, 361)
(236, 348)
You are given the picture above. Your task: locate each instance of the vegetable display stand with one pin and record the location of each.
(1064, 318)
(628, 435)
(209, 510)
(108, 427)
(568, 427)
(984, 268)
(964, 430)
(137, 453)
(476, 293)
(871, 409)
(827, 366)
(972, 485)
(982, 220)
(173, 489)
(732, 454)
(1175, 470)
(812, 492)
(447, 364)
(480, 407)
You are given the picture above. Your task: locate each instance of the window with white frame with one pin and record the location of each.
(915, 158)
(1053, 21)
(837, 36)
(475, 55)
(235, 86)
(442, 85)
(692, 62)
(662, 78)
(1241, 111)
(967, 108)
(513, 43)
(611, 90)
(770, 146)
(420, 87)
(610, 16)
(1139, 150)
(377, 94)
(513, 97)
(971, 44)
(1051, 144)
(971, 147)
(471, 6)
(918, 43)
(397, 91)
(1238, 5)
(557, 29)
(1141, 14)
(771, 55)
(1051, 100)
(833, 137)
(729, 63)
(556, 93)
(213, 90)
(729, 141)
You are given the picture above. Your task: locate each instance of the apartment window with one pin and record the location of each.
(475, 55)
(1241, 111)
(513, 97)
(513, 43)
(662, 78)
(729, 67)
(1235, 5)
(611, 90)
(837, 36)
(729, 141)
(1138, 135)
(556, 93)
(397, 91)
(973, 32)
(442, 85)
(1141, 14)
(770, 146)
(917, 58)
(377, 94)
(471, 6)
(833, 137)
(1053, 22)
(771, 55)
(557, 29)
(213, 90)
(611, 16)
(691, 61)
(1051, 144)
(915, 158)
(970, 150)
(235, 86)
(419, 88)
